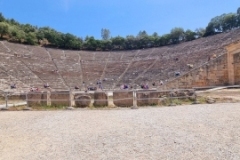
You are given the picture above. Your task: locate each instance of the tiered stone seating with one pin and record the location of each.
(7, 80)
(101, 56)
(18, 49)
(87, 55)
(63, 69)
(137, 67)
(92, 71)
(45, 71)
(16, 68)
(70, 72)
(3, 48)
(115, 56)
(129, 55)
(39, 53)
(113, 72)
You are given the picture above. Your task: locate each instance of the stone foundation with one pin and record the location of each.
(100, 99)
(82, 101)
(123, 99)
(60, 98)
(36, 99)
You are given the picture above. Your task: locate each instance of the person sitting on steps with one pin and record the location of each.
(13, 86)
(46, 85)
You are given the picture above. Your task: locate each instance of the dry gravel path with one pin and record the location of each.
(185, 132)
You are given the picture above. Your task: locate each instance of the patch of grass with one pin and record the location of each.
(201, 99)
(167, 101)
(48, 107)
(177, 101)
(153, 104)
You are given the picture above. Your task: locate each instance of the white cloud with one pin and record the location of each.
(66, 4)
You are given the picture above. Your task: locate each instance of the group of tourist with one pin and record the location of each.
(143, 86)
(93, 88)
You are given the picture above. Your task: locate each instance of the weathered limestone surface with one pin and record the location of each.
(100, 99)
(60, 98)
(17, 97)
(123, 99)
(82, 101)
(214, 73)
(149, 98)
(36, 99)
(146, 98)
(223, 70)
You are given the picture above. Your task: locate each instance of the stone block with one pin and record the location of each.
(82, 101)
(17, 97)
(147, 98)
(36, 99)
(60, 98)
(100, 99)
(123, 98)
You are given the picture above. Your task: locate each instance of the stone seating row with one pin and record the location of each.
(140, 65)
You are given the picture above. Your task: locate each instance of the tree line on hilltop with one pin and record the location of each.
(13, 31)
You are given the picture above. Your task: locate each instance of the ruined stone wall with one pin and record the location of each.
(82, 100)
(152, 98)
(123, 98)
(213, 73)
(236, 64)
(60, 98)
(100, 99)
(36, 99)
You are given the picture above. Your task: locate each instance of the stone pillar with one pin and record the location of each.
(110, 99)
(134, 100)
(232, 49)
(230, 68)
(48, 98)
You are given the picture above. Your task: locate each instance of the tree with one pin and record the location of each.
(164, 39)
(70, 41)
(142, 34)
(4, 29)
(13, 30)
(155, 39)
(229, 21)
(13, 22)
(155, 35)
(143, 39)
(189, 35)
(209, 30)
(28, 28)
(106, 45)
(238, 11)
(238, 17)
(118, 42)
(31, 38)
(130, 42)
(2, 19)
(177, 34)
(21, 35)
(216, 23)
(199, 32)
(105, 33)
(90, 43)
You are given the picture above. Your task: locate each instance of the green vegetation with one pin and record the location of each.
(13, 31)
(48, 107)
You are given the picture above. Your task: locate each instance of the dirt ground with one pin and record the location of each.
(191, 132)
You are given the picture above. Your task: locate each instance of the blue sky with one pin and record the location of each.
(121, 17)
